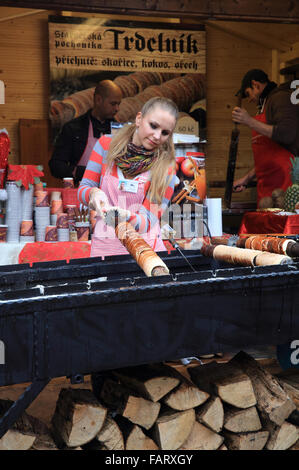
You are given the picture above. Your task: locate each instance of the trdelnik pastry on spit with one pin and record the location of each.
(139, 249)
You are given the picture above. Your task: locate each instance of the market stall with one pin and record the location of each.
(71, 317)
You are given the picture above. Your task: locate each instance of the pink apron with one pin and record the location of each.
(91, 141)
(104, 241)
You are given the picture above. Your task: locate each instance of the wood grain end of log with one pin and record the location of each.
(246, 441)
(78, 417)
(172, 429)
(137, 440)
(282, 437)
(202, 438)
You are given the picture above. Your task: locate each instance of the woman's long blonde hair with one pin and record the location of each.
(165, 153)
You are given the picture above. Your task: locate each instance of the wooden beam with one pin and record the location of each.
(20, 15)
(245, 10)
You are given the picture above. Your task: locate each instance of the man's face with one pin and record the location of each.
(106, 108)
(254, 92)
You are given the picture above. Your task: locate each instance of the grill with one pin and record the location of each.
(59, 319)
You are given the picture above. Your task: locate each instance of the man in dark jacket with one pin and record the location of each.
(78, 136)
(275, 132)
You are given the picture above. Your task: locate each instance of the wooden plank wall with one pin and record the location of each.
(25, 71)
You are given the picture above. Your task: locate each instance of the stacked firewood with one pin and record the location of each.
(237, 405)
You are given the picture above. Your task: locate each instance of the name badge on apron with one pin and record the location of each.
(130, 186)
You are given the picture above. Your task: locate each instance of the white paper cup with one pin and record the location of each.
(55, 196)
(40, 234)
(53, 219)
(63, 234)
(26, 239)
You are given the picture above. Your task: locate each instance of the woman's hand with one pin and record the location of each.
(118, 214)
(98, 202)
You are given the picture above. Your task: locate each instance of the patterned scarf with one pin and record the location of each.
(137, 160)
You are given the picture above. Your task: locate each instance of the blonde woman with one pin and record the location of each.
(132, 175)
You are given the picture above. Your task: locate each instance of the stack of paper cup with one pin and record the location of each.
(71, 214)
(26, 231)
(42, 199)
(37, 187)
(63, 227)
(27, 203)
(82, 229)
(55, 196)
(51, 233)
(13, 211)
(56, 208)
(42, 215)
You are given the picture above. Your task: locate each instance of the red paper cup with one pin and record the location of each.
(42, 199)
(71, 211)
(3, 233)
(62, 220)
(51, 234)
(56, 207)
(26, 228)
(82, 229)
(38, 187)
(68, 183)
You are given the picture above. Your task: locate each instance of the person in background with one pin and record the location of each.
(132, 175)
(77, 138)
(275, 132)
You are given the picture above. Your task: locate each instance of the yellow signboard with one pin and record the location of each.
(92, 47)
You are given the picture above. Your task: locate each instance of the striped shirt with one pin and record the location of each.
(149, 213)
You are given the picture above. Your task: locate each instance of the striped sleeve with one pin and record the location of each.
(95, 169)
(150, 213)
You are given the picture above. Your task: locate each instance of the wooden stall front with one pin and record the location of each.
(232, 48)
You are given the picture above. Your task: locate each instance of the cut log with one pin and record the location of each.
(172, 429)
(292, 391)
(282, 437)
(21, 436)
(44, 442)
(246, 441)
(137, 440)
(273, 402)
(225, 380)
(211, 414)
(78, 417)
(185, 396)
(16, 440)
(124, 402)
(150, 381)
(242, 420)
(202, 438)
(110, 436)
